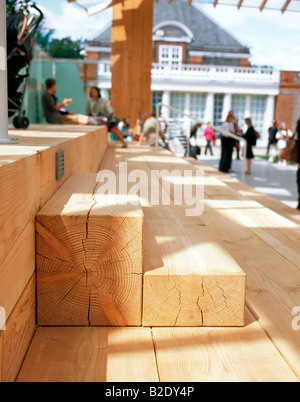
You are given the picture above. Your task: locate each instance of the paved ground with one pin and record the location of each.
(272, 179)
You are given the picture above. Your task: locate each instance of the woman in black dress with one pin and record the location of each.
(251, 141)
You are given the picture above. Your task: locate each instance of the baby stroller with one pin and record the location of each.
(21, 36)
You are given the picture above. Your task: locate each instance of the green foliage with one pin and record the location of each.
(66, 48)
(13, 6)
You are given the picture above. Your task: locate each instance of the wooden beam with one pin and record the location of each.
(285, 6)
(185, 283)
(89, 258)
(240, 4)
(131, 58)
(263, 5)
(20, 328)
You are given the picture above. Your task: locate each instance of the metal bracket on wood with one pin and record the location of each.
(60, 164)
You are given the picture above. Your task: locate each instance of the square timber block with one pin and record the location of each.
(89, 257)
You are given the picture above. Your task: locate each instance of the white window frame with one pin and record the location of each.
(170, 60)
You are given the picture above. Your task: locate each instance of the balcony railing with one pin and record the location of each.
(206, 74)
(215, 74)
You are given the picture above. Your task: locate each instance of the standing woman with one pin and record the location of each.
(209, 134)
(99, 107)
(250, 137)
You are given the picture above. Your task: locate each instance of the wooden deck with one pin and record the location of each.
(259, 233)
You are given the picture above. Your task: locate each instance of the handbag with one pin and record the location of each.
(291, 152)
(257, 135)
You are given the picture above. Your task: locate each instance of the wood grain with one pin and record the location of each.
(20, 328)
(189, 277)
(89, 258)
(219, 355)
(27, 181)
(90, 355)
(131, 59)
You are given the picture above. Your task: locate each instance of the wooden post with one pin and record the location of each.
(132, 58)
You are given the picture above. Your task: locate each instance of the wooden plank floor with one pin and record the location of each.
(264, 243)
(152, 355)
(89, 354)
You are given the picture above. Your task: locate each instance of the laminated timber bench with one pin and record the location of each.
(265, 349)
(27, 181)
(100, 264)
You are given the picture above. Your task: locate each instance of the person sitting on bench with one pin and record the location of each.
(55, 112)
(97, 107)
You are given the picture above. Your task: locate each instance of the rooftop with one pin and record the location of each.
(207, 34)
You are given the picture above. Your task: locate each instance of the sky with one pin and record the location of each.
(273, 38)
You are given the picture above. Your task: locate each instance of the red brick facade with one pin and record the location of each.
(288, 101)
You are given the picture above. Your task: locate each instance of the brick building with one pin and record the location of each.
(288, 100)
(202, 70)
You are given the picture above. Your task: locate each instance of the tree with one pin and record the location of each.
(13, 6)
(66, 48)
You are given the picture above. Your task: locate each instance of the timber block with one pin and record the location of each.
(190, 278)
(192, 281)
(88, 258)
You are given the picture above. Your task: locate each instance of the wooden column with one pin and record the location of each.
(132, 58)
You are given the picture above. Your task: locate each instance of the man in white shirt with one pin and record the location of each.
(227, 145)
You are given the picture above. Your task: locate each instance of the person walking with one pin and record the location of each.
(282, 136)
(209, 135)
(272, 131)
(227, 144)
(250, 137)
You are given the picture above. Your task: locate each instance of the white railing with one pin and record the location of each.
(201, 73)
(217, 73)
(206, 74)
(189, 118)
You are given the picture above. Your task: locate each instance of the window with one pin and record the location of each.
(156, 98)
(218, 110)
(239, 108)
(170, 55)
(257, 112)
(176, 122)
(177, 101)
(197, 106)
